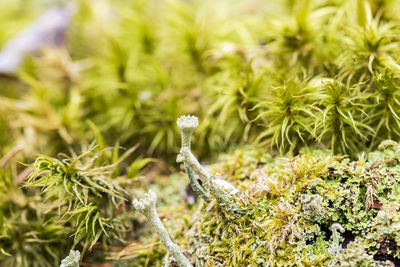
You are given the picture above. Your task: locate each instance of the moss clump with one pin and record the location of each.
(78, 201)
(291, 205)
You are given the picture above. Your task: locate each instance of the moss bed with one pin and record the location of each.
(291, 205)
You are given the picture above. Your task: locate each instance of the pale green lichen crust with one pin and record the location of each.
(72, 260)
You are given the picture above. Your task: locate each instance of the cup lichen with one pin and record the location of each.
(187, 124)
(209, 182)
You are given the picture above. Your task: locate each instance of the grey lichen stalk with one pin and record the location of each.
(147, 206)
(187, 124)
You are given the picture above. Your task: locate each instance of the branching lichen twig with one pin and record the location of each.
(187, 124)
(224, 197)
(147, 206)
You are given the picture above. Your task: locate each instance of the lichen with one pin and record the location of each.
(72, 260)
(147, 206)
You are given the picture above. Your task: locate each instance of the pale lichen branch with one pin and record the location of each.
(187, 124)
(223, 196)
(147, 206)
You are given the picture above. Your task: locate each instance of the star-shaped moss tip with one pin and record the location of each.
(187, 123)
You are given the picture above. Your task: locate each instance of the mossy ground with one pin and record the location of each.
(291, 205)
(282, 76)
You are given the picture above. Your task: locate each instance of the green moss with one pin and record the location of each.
(306, 81)
(291, 205)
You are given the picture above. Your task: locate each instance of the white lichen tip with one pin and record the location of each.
(187, 123)
(72, 259)
(149, 200)
(337, 227)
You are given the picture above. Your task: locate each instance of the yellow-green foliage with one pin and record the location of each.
(280, 73)
(72, 201)
(287, 77)
(29, 236)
